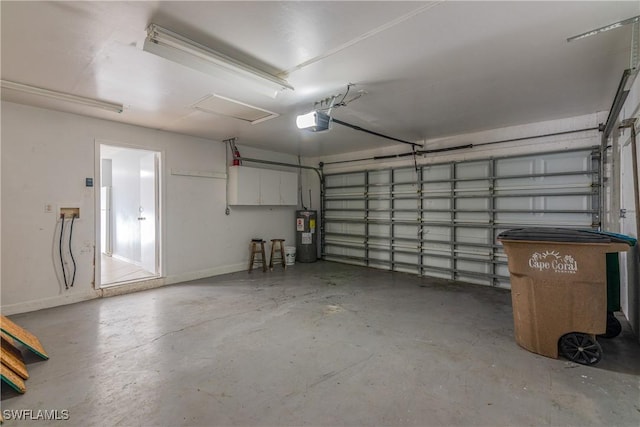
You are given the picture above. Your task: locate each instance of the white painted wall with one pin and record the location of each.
(46, 156)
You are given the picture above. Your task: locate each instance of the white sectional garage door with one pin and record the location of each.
(442, 220)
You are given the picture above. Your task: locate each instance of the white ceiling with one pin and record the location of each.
(430, 69)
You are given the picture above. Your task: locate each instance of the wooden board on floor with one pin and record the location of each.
(10, 344)
(7, 338)
(12, 379)
(11, 356)
(23, 336)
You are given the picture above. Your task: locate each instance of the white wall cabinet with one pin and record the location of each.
(256, 186)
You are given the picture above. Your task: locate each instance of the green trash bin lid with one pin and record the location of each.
(632, 241)
(552, 234)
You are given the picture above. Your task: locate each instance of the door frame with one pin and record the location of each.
(160, 209)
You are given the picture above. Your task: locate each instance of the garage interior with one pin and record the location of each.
(145, 145)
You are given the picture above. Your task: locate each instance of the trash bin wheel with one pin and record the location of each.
(613, 326)
(580, 348)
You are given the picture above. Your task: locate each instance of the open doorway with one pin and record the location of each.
(129, 215)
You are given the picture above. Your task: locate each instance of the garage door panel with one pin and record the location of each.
(436, 261)
(479, 203)
(406, 189)
(545, 219)
(345, 179)
(356, 193)
(347, 214)
(405, 175)
(472, 186)
(436, 233)
(345, 204)
(335, 249)
(340, 227)
(380, 230)
(473, 267)
(473, 217)
(509, 167)
(380, 177)
(436, 188)
(437, 204)
(429, 216)
(437, 248)
(379, 254)
(473, 252)
(446, 225)
(412, 204)
(560, 162)
(476, 169)
(408, 231)
(379, 204)
(568, 202)
(405, 258)
(473, 235)
(437, 172)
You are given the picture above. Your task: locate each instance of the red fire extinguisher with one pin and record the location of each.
(236, 153)
(236, 157)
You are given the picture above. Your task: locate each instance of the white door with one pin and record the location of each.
(105, 220)
(147, 212)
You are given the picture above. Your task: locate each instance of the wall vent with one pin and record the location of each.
(216, 104)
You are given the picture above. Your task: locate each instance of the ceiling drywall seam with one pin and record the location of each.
(364, 36)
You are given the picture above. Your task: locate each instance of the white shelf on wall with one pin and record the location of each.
(199, 174)
(262, 187)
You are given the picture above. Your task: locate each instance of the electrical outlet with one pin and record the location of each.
(70, 212)
(48, 207)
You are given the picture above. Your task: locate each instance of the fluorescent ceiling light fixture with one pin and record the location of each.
(613, 26)
(61, 96)
(177, 48)
(315, 121)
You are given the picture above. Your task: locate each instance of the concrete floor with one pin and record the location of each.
(319, 344)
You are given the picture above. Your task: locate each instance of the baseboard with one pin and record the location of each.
(201, 274)
(64, 299)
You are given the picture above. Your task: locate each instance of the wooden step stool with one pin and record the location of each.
(255, 249)
(277, 253)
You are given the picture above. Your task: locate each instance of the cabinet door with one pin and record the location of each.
(288, 188)
(269, 187)
(244, 186)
